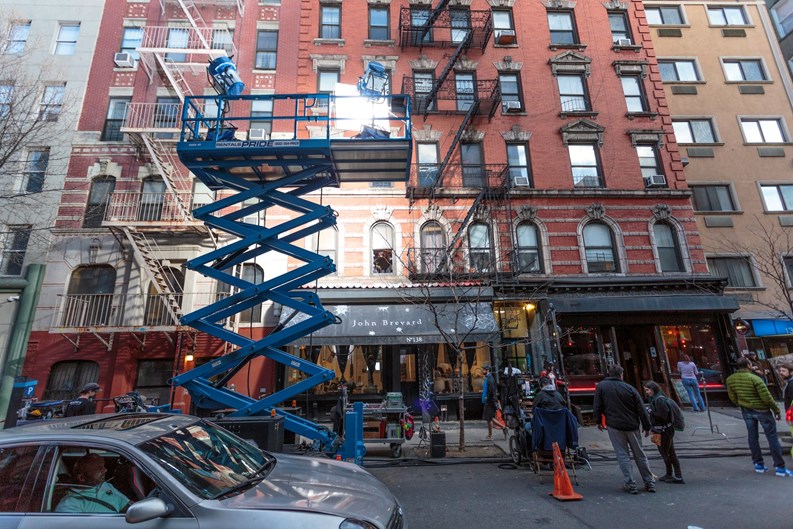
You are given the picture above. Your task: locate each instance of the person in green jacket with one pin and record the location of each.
(748, 391)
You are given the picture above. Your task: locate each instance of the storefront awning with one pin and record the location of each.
(401, 324)
(599, 304)
(771, 327)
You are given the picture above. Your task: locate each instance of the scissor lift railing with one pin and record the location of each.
(311, 146)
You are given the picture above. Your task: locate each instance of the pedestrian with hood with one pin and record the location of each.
(84, 404)
(548, 397)
(662, 418)
(623, 408)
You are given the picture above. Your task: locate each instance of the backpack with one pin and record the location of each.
(678, 422)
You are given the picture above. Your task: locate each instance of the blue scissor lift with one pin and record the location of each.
(279, 172)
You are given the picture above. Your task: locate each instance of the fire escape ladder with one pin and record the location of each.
(433, 18)
(472, 110)
(196, 20)
(436, 86)
(461, 230)
(166, 166)
(145, 255)
(174, 76)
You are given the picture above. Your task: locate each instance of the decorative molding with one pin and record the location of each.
(508, 65)
(427, 134)
(647, 136)
(559, 4)
(420, 2)
(582, 131)
(501, 3)
(570, 62)
(516, 133)
(464, 63)
(432, 212)
(382, 213)
(662, 212)
(472, 135)
(423, 63)
(460, 2)
(389, 61)
(596, 211)
(527, 213)
(104, 167)
(615, 5)
(328, 62)
(631, 68)
(482, 214)
(378, 2)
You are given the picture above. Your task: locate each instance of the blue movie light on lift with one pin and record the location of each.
(224, 77)
(374, 81)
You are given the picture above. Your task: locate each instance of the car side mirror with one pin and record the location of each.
(147, 509)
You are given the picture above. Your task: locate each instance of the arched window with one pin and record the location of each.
(479, 247)
(67, 378)
(599, 248)
(382, 236)
(98, 199)
(89, 299)
(528, 249)
(156, 303)
(433, 247)
(668, 248)
(151, 199)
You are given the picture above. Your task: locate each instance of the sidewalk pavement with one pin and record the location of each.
(723, 431)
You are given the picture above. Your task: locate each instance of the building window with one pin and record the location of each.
(737, 270)
(433, 247)
(67, 378)
(419, 19)
(266, 50)
(668, 248)
(14, 248)
(528, 249)
(678, 71)
(152, 381)
(51, 102)
(634, 93)
(326, 243)
(89, 298)
(131, 39)
(778, 197)
(726, 16)
(620, 29)
(663, 16)
(116, 111)
(503, 27)
(35, 170)
(694, 131)
(473, 169)
(585, 166)
(427, 160)
(178, 38)
(562, 27)
(6, 96)
(744, 70)
(67, 39)
(479, 247)
(254, 274)
(223, 39)
(648, 160)
(202, 195)
(518, 161)
(782, 13)
(378, 23)
(326, 84)
(713, 198)
(599, 249)
(465, 91)
(382, 237)
(330, 22)
(156, 311)
(511, 94)
(422, 86)
(757, 130)
(261, 119)
(16, 38)
(98, 200)
(572, 93)
(461, 24)
(167, 112)
(787, 261)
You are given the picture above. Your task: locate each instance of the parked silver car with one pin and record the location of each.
(178, 472)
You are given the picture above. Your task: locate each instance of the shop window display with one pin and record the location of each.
(448, 372)
(361, 364)
(580, 351)
(699, 343)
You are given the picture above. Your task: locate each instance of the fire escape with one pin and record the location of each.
(466, 33)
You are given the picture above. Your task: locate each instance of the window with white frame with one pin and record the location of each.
(648, 160)
(266, 50)
(382, 238)
(131, 39)
(419, 20)
(744, 70)
(712, 198)
(528, 250)
(664, 15)
(51, 102)
(763, 130)
(480, 247)
(460, 19)
(465, 90)
(330, 22)
(35, 170)
(378, 23)
(777, 197)
(737, 270)
(116, 111)
(504, 27)
(511, 94)
(178, 38)
(223, 39)
(433, 247)
(422, 86)
(634, 93)
(572, 93)
(668, 248)
(727, 16)
(782, 14)
(599, 249)
(562, 27)
(326, 84)
(620, 28)
(15, 245)
(519, 166)
(678, 70)
(427, 160)
(261, 119)
(66, 42)
(6, 97)
(16, 38)
(694, 130)
(585, 165)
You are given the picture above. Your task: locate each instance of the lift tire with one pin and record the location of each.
(396, 450)
(514, 449)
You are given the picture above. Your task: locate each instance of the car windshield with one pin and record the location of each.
(207, 459)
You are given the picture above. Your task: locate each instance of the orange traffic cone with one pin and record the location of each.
(562, 488)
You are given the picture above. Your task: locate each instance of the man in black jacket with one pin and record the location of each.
(84, 404)
(624, 411)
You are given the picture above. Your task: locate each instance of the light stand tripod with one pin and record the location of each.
(714, 428)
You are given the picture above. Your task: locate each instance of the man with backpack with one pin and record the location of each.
(666, 417)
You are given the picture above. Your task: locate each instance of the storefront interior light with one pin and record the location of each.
(530, 307)
(188, 358)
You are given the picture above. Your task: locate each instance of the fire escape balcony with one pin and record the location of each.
(180, 44)
(155, 211)
(458, 179)
(452, 98)
(447, 31)
(163, 119)
(434, 264)
(239, 5)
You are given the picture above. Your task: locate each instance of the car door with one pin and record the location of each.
(15, 465)
(52, 473)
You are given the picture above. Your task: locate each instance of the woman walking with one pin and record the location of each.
(661, 418)
(690, 375)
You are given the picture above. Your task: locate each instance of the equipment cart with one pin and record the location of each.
(385, 423)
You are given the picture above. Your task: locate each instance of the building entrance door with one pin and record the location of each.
(639, 354)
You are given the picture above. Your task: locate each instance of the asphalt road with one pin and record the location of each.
(721, 492)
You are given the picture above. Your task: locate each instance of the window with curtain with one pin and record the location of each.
(737, 270)
(668, 248)
(433, 247)
(479, 247)
(599, 249)
(528, 248)
(382, 248)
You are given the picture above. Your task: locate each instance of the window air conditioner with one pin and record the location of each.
(258, 134)
(124, 60)
(518, 181)
(512, 106)
(656, 180)
(623, 42)
(505, 37)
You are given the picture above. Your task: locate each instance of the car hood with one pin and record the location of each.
(320, 485)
